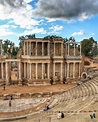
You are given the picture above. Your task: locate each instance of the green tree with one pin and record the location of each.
(87, 46)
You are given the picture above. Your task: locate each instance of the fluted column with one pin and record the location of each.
(74, 70)
(68, 70)
(2, 70)
(36, 48)
(42, 48)
(74, 50)
(48, 48)
(65, 70)
(7, 78)
(79, 70)
(24, 48)
(19, 70)
(30, 71)
(61, 49)
(42, 71)
(80, 49)
(61, 70)
(48, 70)
(27, 48)
(53, 69)
(68, 49)
(24, 70)
(1, 48)
(54, 48)
(36, 70)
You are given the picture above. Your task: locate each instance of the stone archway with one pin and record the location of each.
(84, 75)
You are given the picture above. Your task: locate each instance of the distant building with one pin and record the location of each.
(43, 59)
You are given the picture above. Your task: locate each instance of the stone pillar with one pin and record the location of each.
(79, 70)
(36, 70)
(68, 49)
(67, 69)
(27, 48)
(24, 48)
(62, 49)
(74, 50)
(48, 72)
(80, 49)
(61, 70)
(19, 70)
(36, 48)
(1, 48)
(7, 77)
(48, 48)
(42, 48)
(54, 48)
(24, 70)
(30, 71)
(42, 70)
(53, 69)
(74, 70)
(2, 70)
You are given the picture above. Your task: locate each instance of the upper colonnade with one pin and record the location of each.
(0, 47)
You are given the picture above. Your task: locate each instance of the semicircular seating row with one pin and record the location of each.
(85, 89)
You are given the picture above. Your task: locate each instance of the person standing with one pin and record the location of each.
(59, 115)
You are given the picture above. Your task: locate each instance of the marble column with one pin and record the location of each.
(19, 70)
(42, 48)
(68, 49)
(36, 48)
(24, 48)
(1, 48)
(7, 77)
(54, 48)
(65, 70)
(48, 48)
(62, 49)
(27, 48)
(61, 70)
(24, 70)
(2, 70)
(79, 70)
(30, 71)
(68, 70)
(48, 72)
(74, 70)
(42, 70)
(74, 50)
(36, 71)
(80, 49)
(53, 69)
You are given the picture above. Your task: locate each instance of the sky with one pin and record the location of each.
(65, 18)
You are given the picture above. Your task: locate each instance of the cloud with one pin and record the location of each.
(56, 28)
(19, 12)
(66, 9)
(81, 32)
(5, 31)
(92, 34)
(35, 30)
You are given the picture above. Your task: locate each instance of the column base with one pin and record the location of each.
(20, 82)
(7, 82)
